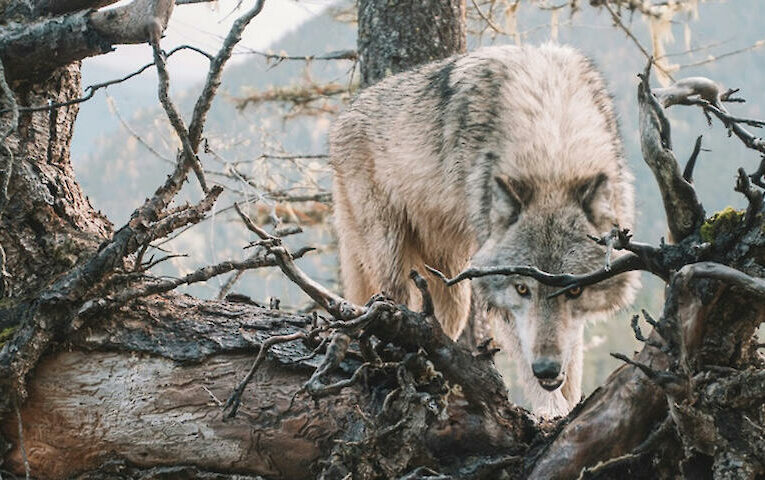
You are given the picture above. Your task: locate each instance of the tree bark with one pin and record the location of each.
(48, 225)
(395, 36)
(145, 385)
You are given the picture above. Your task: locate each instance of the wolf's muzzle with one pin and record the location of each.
(548, 373)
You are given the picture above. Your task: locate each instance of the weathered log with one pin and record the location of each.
(145, 386)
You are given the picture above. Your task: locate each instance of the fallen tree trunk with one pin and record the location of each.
(146, 386)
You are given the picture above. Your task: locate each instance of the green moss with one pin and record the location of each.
(722, 222)
(6, 334)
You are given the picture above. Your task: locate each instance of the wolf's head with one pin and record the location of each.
(545, 225)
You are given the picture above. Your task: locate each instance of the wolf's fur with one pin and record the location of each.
(507, 155)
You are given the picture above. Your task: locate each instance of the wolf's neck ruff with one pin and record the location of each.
(507, 155)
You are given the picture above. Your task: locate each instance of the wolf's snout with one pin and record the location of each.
(548, 373)
(545, 368)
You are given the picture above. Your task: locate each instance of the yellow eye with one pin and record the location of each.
(522, 289)
(574, 292)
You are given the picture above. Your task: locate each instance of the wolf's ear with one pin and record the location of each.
(510, 197)
(595, 196)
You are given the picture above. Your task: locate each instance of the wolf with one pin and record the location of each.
(506, 155)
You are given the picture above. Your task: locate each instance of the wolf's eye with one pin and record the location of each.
(522, 289)
(574, 292)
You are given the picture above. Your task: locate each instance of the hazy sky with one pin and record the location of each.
(204, 25)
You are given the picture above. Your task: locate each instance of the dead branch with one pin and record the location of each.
(710, 95)
(682, 208)
(59, 302)
(280, 57)
(232, 404)
(235, 276)
(651, 9)
(753, 196)
(91, 90)
(626, 263)
(336, 350)
(189, 153)
(736, 278)
(212, 82)
(714, 58)
(29, 50)
(154, 287)
(298, 95)
(618, 21)
(337, 306)
(691, 163)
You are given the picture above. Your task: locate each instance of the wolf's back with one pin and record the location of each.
(415, 155)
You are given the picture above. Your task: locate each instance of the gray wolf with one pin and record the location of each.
(503, 156)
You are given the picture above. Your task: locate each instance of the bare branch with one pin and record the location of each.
(299, 95)
(615, 239)
(717, 271)
(626, 263)
(29, 50)
(639, 334)
(422, 286)
(691, 164)
(681, 206)
(189, 152)
(648, 8)
(753, 196)
(280, 57)
(488, 20)
(307, 156)
(235, 276)
(232, 404)
(336, 305)
(336, 351)
(714, 58)
(165, 285)
(662, 378)
(212, 82)
(90, 90)
(709, 95)
(618, 21)
(185, 216)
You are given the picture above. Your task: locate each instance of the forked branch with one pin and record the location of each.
(681, 206)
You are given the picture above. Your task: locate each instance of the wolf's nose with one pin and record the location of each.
(545, 368)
